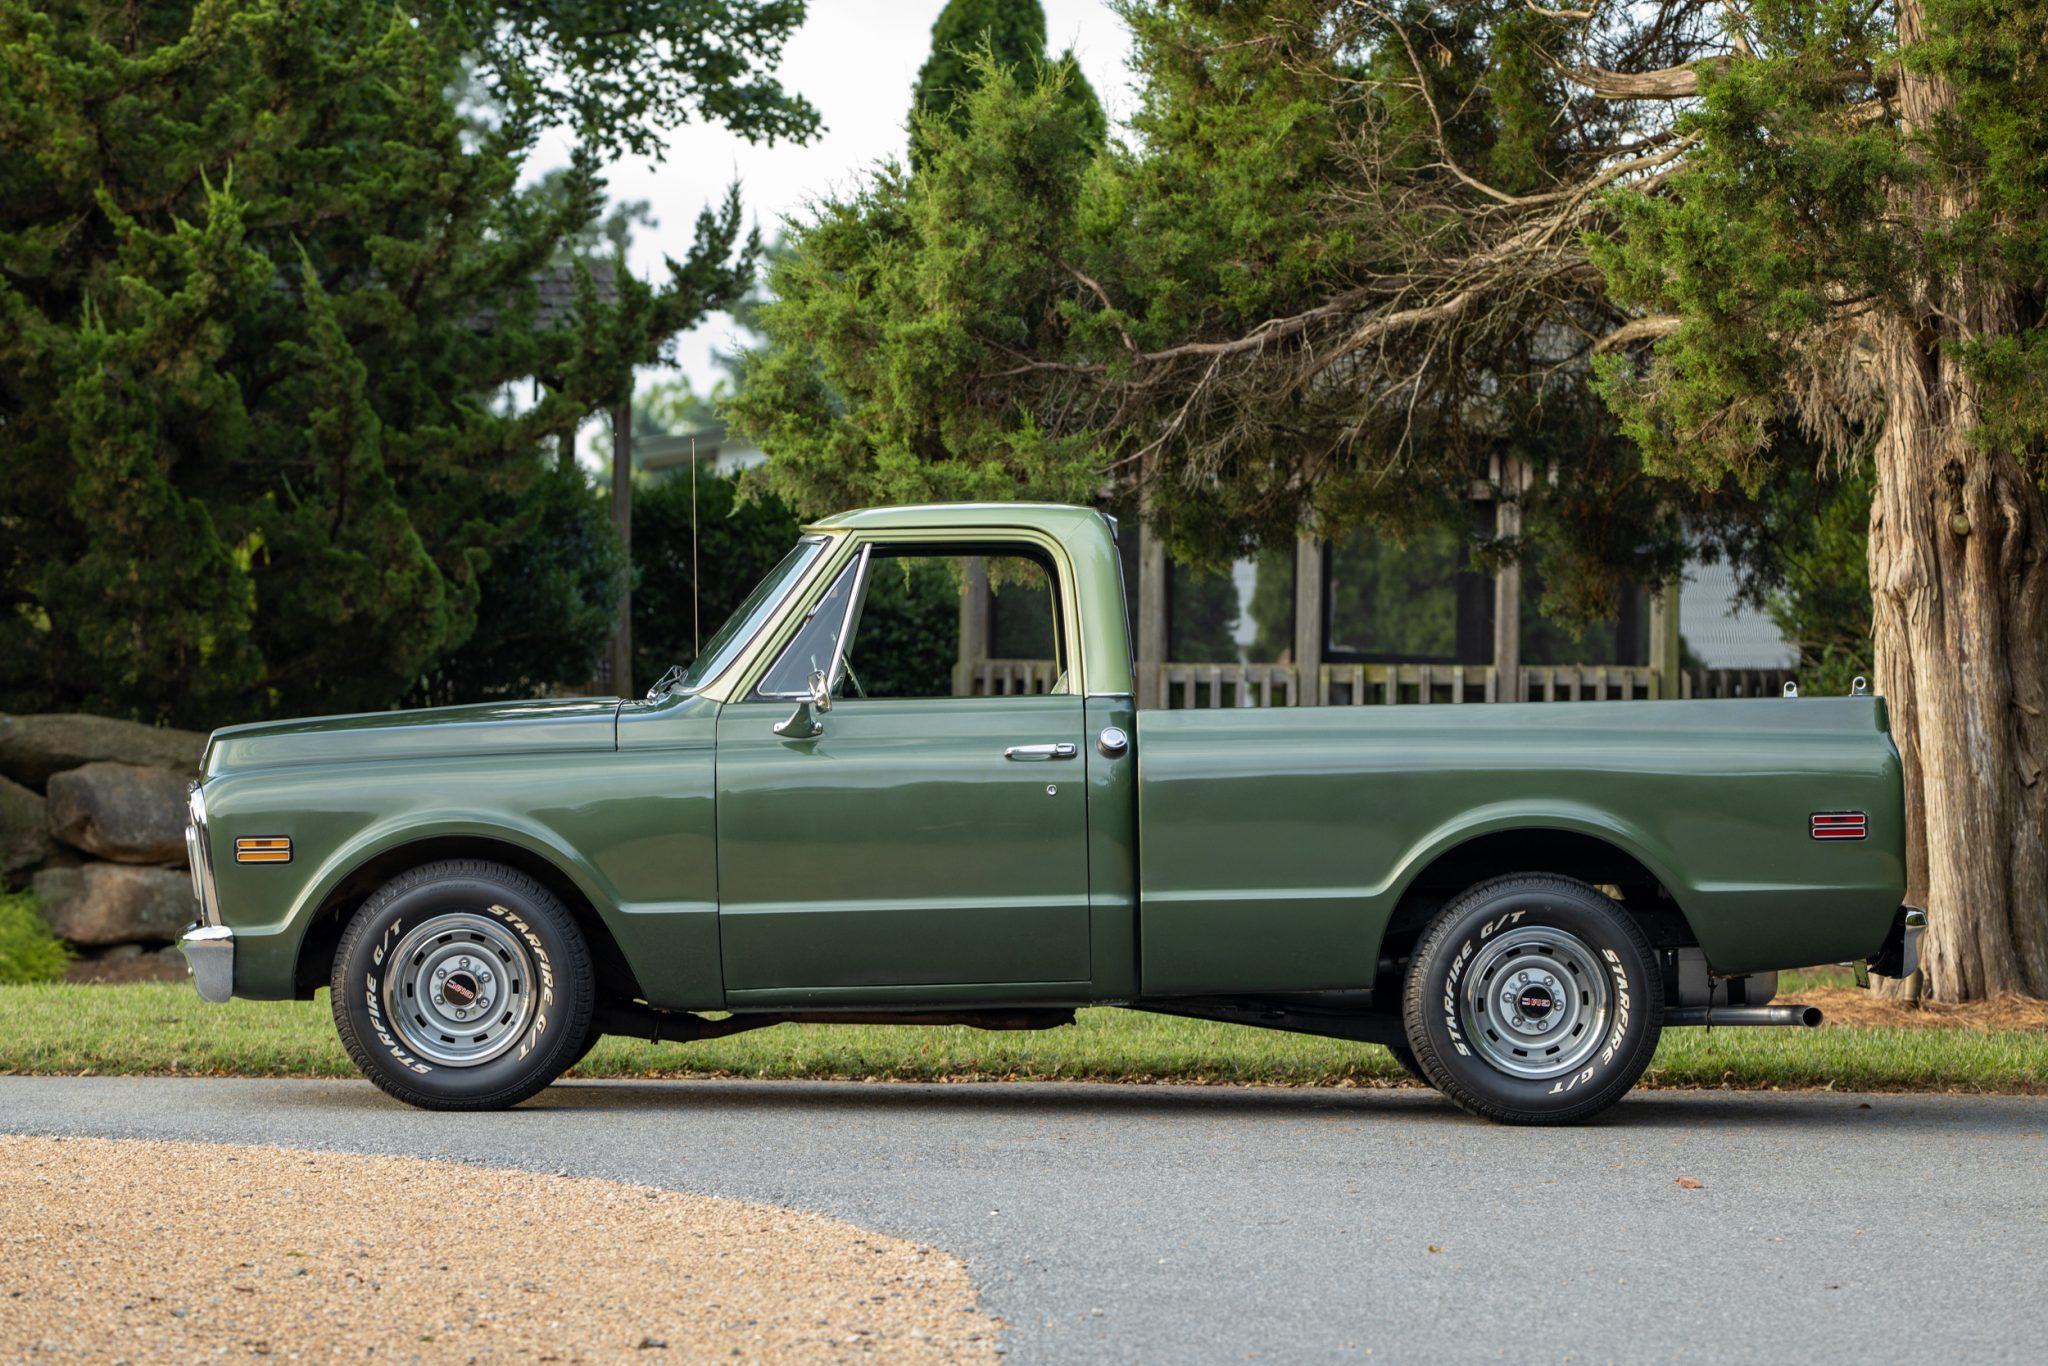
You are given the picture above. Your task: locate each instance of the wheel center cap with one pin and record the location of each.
(460, 989)
(1536, 1002)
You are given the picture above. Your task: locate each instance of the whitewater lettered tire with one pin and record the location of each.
(1533, 999)
(463, 985)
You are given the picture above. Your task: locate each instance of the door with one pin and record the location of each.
(919, 845)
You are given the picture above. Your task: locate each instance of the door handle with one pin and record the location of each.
(1062, 750)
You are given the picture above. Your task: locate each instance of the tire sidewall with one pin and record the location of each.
(1437, 1033)
(550, 1040)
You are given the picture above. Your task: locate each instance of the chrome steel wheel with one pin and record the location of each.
(1536, 1002)
(459, 989)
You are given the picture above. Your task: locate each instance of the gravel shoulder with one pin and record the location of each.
(146, 1250)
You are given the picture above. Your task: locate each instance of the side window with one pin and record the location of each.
(924, 607)
(811, 647)
(928, 616)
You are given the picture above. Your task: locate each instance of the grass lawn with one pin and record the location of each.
(166, 1029)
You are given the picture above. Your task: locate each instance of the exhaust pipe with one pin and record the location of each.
(1803, 1017)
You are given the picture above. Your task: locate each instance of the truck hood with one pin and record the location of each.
(549, 724)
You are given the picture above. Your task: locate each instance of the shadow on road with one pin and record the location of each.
(1649, 1111)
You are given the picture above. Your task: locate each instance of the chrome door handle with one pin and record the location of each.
(1062, 750)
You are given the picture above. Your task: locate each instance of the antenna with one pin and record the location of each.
(696, 637)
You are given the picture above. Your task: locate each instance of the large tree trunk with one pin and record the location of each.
(1959, 578)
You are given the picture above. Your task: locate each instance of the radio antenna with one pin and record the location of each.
(696, 629)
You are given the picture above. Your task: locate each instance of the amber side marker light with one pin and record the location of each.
(263, 851)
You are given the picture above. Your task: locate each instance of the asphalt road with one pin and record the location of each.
(1210, 1224)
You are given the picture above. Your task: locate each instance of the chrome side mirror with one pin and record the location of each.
(801, 724)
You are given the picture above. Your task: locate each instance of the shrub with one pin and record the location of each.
(28, 951)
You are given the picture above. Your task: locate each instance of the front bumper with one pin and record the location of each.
(210, 954)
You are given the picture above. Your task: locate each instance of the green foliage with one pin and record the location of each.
(1036, 313)
(1788, 209)
(548, 595)
(909, 637)
(1010, 34)
(28, 951)
(862, 394)
(624, 72)
(269, 282)
(679, 598)
(1823, 561)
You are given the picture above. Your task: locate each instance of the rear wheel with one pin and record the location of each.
(1533, 999)
(1404, 1056)
(463, 985)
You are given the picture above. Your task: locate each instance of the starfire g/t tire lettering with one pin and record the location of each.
(463, 985)
(1534, 999)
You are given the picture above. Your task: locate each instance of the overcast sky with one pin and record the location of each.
(856, 61)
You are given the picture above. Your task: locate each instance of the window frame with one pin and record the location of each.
(900, 542)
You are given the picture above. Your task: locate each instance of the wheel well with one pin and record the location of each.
(316, 950)
(1565, 852)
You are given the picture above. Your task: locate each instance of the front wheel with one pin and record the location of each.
(463, 985)
(1534, 999)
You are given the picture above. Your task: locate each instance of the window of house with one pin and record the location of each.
(1243, 615)
(1413, 600)
(1623, 638)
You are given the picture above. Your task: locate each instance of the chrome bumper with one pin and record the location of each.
(210, 954)
(1914, 925)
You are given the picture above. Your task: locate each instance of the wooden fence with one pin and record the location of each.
(1184, 686)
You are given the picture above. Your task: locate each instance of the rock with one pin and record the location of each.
(115, 903)
(34, 747)
(24, 828)
(123, 812)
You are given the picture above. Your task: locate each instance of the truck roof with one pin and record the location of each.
(909, 517)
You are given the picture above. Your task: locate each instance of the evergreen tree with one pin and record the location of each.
(1011, 35)
(265, 281)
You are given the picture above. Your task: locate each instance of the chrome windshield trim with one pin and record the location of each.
(766, 615)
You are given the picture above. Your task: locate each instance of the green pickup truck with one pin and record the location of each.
(812, 823)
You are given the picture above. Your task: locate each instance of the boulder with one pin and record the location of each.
(34, 747)
(24, 828)
(115, 903)
(123, 812)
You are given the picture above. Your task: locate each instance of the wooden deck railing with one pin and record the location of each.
(1183, 686)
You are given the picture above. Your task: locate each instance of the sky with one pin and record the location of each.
(856, 60)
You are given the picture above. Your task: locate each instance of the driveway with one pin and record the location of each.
(1222, 1224)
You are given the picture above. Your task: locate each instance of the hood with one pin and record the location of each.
(494, 728)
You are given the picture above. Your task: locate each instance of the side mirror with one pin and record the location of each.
(801, 724)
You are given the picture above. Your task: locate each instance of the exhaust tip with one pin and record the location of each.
(1810, 1016)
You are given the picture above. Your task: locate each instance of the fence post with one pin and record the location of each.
(1308, 618)
(974, 613)
(1664, 640)
(1507, 585)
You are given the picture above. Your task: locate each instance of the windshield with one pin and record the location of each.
(740, 627)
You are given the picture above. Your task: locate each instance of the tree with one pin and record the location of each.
(1009, 34)
(1360, 254)
(267, 281)
(693, 565)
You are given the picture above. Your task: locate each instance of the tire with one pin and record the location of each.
(1404, 1056)
(503, 941)
(1533, 999)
